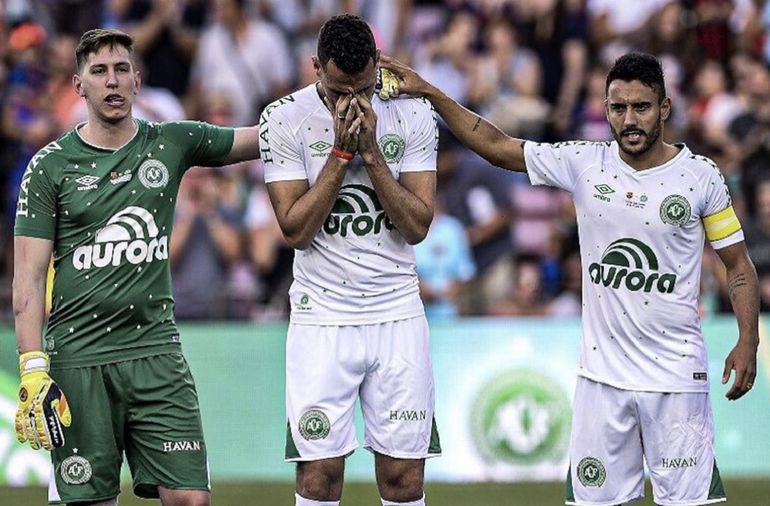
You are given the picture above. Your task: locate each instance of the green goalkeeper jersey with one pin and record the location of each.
(109, 213)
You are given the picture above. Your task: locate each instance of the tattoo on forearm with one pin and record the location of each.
(476, 126)
(736, 282)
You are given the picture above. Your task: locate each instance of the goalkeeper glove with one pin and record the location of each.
(43, 409)
(387, 84)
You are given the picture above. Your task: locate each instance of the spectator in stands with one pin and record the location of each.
(166, 35)
(64, 103)
(557, 30)
(444, 265)
(248, 59)
(205, 244)
(506, 82)
(478, 195)
(757, 232)
(713, 30)
(714, 107)
(624, 24)
(449, 58)
(271, 257)
(590, 121)
(668, 36)
(568, 302)
(749, 134)
(25, 119)
(301, 19)
(526, 291)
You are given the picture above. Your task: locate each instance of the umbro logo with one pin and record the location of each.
(87, 183)
(321, 148)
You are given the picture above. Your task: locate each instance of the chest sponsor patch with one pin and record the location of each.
(117, 178)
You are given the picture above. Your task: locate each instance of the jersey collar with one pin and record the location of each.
(103, 148)
(615, 149)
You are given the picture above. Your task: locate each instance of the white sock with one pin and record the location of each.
(419, 502)
(301, 501)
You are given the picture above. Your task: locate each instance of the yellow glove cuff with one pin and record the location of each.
(33, 361)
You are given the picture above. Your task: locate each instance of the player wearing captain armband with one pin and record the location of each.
(644, 208)
(106, 377)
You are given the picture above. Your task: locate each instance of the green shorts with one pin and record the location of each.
(146, 408)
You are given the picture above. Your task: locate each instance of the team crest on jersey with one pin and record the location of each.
(392, 147)
(591, 472)
(153, 174)
(314, 425)
(75, 470)
(675, 210)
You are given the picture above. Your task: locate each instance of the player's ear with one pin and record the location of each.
(665, 109)
(137, 81)
(317, 66)
(77, 83)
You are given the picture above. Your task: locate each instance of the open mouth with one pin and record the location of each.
(634, 135)
(115, 100)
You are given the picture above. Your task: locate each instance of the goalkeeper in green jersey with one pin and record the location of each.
(100, 199)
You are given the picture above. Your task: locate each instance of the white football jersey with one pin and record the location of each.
(641, 243)
(358, 269)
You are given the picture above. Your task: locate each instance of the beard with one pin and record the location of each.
(648, 139)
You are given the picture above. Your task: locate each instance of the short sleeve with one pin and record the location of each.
(205, 144)
(422, 148)
(279, 149)
(37, 202)
(554, 165)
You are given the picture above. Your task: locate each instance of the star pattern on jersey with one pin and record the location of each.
(93, 165)
(161, 147)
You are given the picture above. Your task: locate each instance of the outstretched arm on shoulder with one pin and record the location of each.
(245, 145)
(478, 134)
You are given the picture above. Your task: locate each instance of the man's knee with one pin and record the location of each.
(321, 480)
(400, 480)
(174, 497)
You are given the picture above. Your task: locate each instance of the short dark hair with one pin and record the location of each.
(93, 40)
(347, 40)
(641, 67)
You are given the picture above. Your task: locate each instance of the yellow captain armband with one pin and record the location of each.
(721, 225)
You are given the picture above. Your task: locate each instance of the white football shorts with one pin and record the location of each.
(387, 365)
(614, 431)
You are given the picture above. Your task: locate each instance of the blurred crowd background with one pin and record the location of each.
(536, 68)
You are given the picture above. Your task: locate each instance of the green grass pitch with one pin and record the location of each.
(740, 493)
